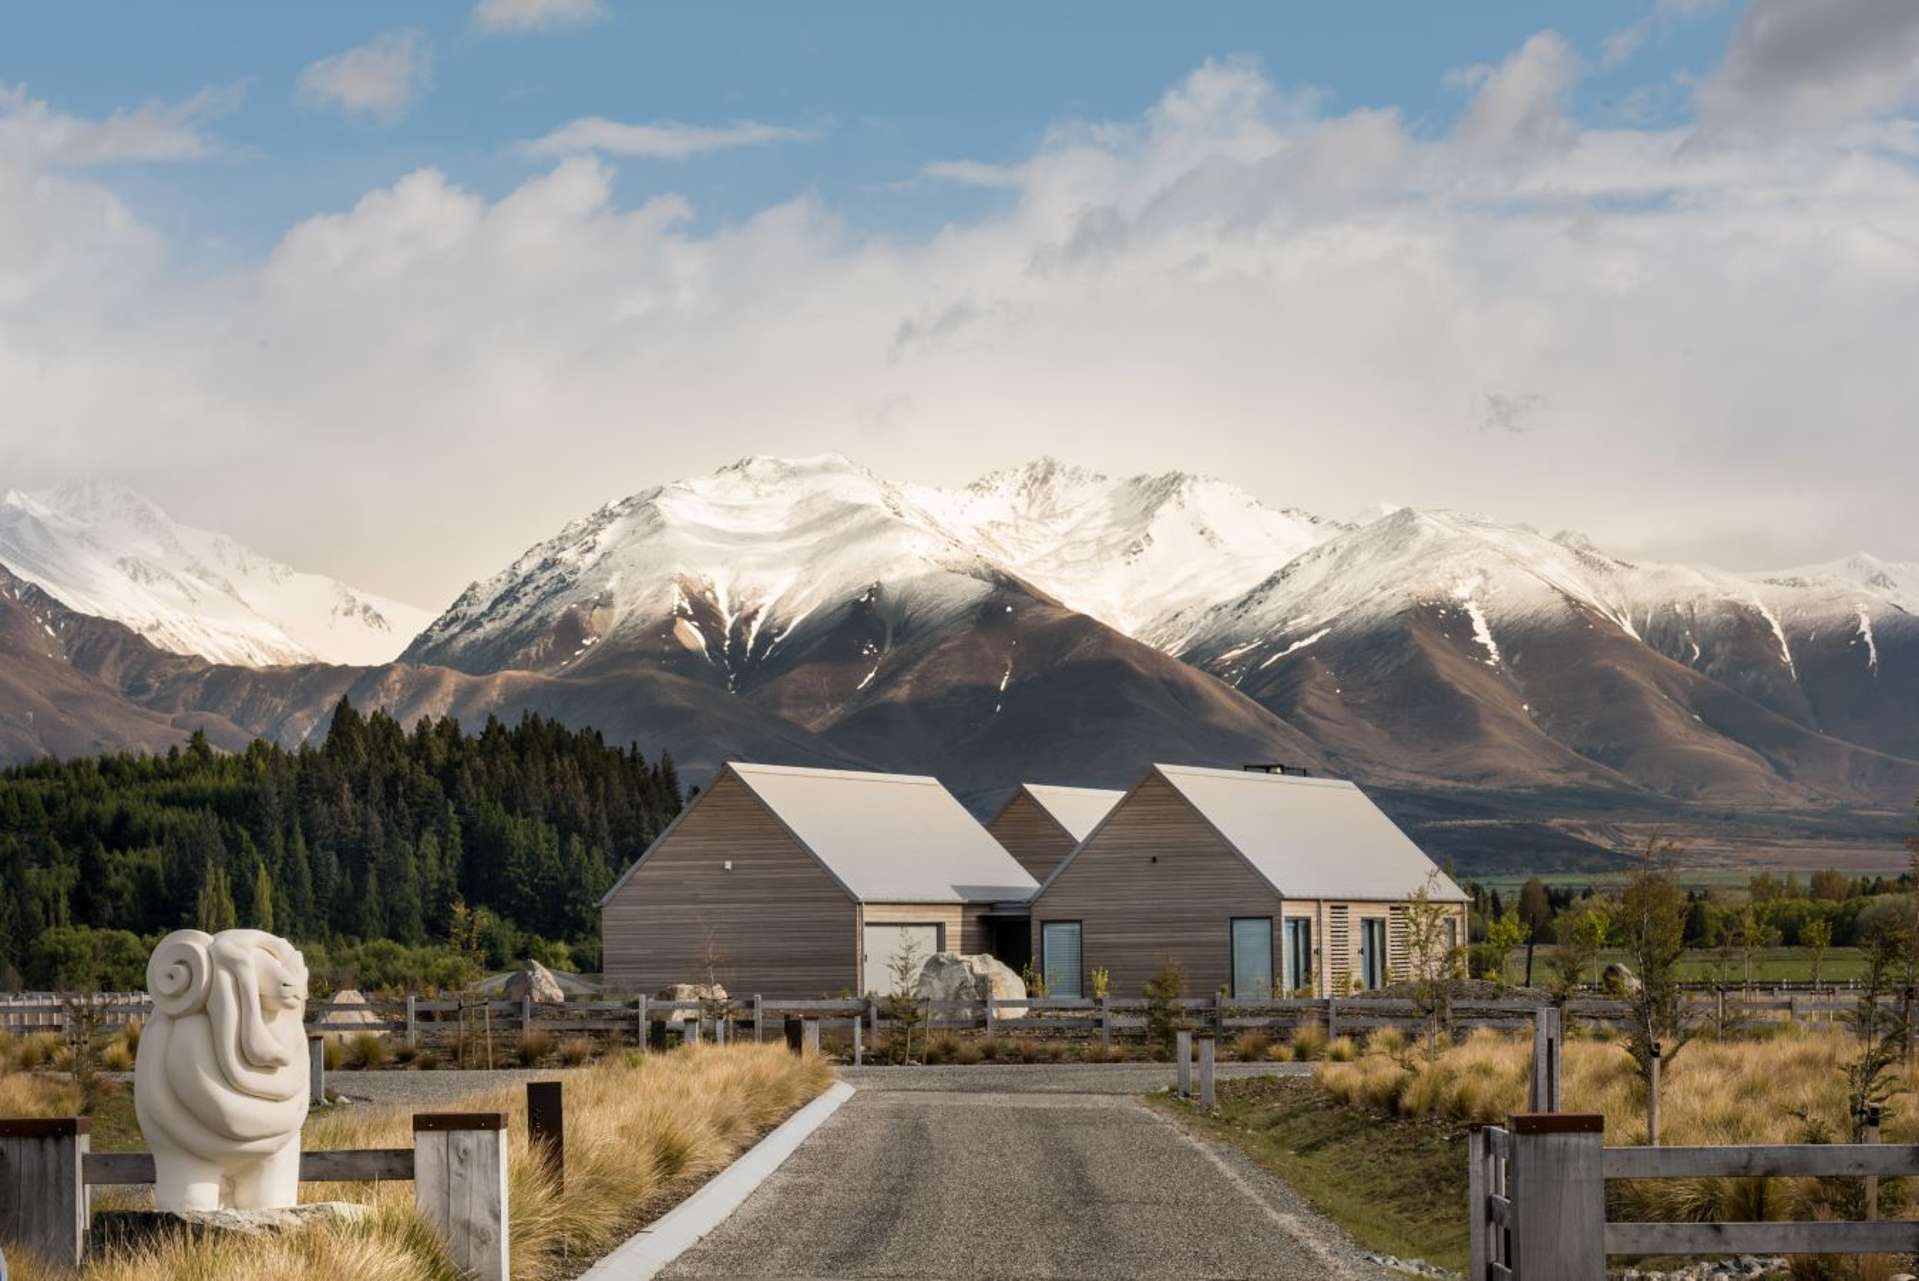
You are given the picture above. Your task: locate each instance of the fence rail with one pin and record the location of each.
(1537, 1200)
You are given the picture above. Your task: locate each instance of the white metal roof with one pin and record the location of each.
(1077, 809)
(889, 838)
(1316, 838)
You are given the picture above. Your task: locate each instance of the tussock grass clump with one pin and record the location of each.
(637, 1137)
(941, 1047)
(1341, 1049)
(366, 1050)
(116, 1057)
(533, 1046)
(1389, 1041)
(25, 1096)
(1308, 1041)
(35, 1051)
(575, 1051)
(1789, 1087)
(1279, 1053)
(1252, 1044)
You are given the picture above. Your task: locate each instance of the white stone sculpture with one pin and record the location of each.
(220, 1082)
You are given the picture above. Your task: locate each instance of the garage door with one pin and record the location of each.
(885, 942)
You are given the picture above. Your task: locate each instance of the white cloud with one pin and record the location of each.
(497, 16)
(1795, 67)
(972, 173)
(1681, 348)
(658, 139)
(381, 79)
(154, 132)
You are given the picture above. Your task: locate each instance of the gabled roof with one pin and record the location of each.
(886, 838)
(1310, 838)
(1077, 810)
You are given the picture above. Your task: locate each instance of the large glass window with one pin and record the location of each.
(1059, 944)
(1372, 952)
(1253, 956)
(1299, 953)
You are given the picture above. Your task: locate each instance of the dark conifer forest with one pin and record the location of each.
(497, 843)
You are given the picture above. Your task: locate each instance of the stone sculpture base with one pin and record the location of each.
(131, 1229)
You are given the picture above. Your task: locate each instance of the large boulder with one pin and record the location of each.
(350, 1006)
(689, 992)
(537, 982)
(1618, 980)
(951, 976)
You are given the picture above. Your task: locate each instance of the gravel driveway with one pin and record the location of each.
(1015, 1172)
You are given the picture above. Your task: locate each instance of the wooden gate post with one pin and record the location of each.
(1558, 1192)
(759, 1019)
(1206, 1044)
(810, 1037)
(1544, 1095)
(459, 1185)
(719, 1031)
(1476, 1203)
(43, 1204)
(1183, 1059)
(316, 1069)
(546, 1125)
(692, 1029)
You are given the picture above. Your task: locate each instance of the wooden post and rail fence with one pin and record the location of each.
(457, 1165)
(1537, 1198)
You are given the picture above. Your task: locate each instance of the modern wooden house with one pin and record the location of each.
(1041, 824)
(805, 882)
(1258, 883)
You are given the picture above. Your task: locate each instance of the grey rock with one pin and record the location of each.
(537, 982)
(952, 976)
(689, 992)
(129, 1229)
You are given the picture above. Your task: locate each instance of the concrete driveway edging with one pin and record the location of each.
(646, 1252)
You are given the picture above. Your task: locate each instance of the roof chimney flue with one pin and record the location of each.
(1277, 767)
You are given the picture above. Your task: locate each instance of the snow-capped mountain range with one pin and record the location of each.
(105, 550)
(1046, 623)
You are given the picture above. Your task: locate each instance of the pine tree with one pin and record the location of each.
(262, 899)
(213, 909)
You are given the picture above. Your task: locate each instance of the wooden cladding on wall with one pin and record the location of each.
(1154, 883)
(1032, 836)
(775, 923)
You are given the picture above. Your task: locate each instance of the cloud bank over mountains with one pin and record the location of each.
(1688, 339)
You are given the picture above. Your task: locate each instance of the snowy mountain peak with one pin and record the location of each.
(104, 549)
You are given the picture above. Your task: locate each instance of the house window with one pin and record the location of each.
(1452, 938)
(1299, 953)
(1372, 952)
(1059, 947)
(1253, 956)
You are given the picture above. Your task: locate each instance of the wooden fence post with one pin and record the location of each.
(459, 1185)
(692, 1029)
(1476, 1203)
(526, 1014)
(1206, 1044)
(546, 1125)
(1105, 1023)
(1219, 1014)
(1544, 1095)
(656, 1036)
(1183, 1058)
(795, 1034)
(412, 1021)
(1652, 1097)
(640, 1030)
(873, 1020)
(316, 1069)
(1332, 1018)
(859, 1049)
(810, 1037)
(1872, 1180)
(1558, 1192)
(759, 1019)
(719, 1031)
(986, 1006)
(43, 1203)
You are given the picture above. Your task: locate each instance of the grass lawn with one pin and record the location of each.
(1396, 1186)
(1700, 965)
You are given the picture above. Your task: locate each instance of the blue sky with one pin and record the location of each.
(885, 88)
(394, 291)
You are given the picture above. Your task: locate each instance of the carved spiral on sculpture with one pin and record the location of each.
(179, 972)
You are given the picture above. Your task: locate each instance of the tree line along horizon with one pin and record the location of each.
(394, 858)
(419, 859)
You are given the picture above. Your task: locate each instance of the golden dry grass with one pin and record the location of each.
(641, 1131)
(1788, 1088)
